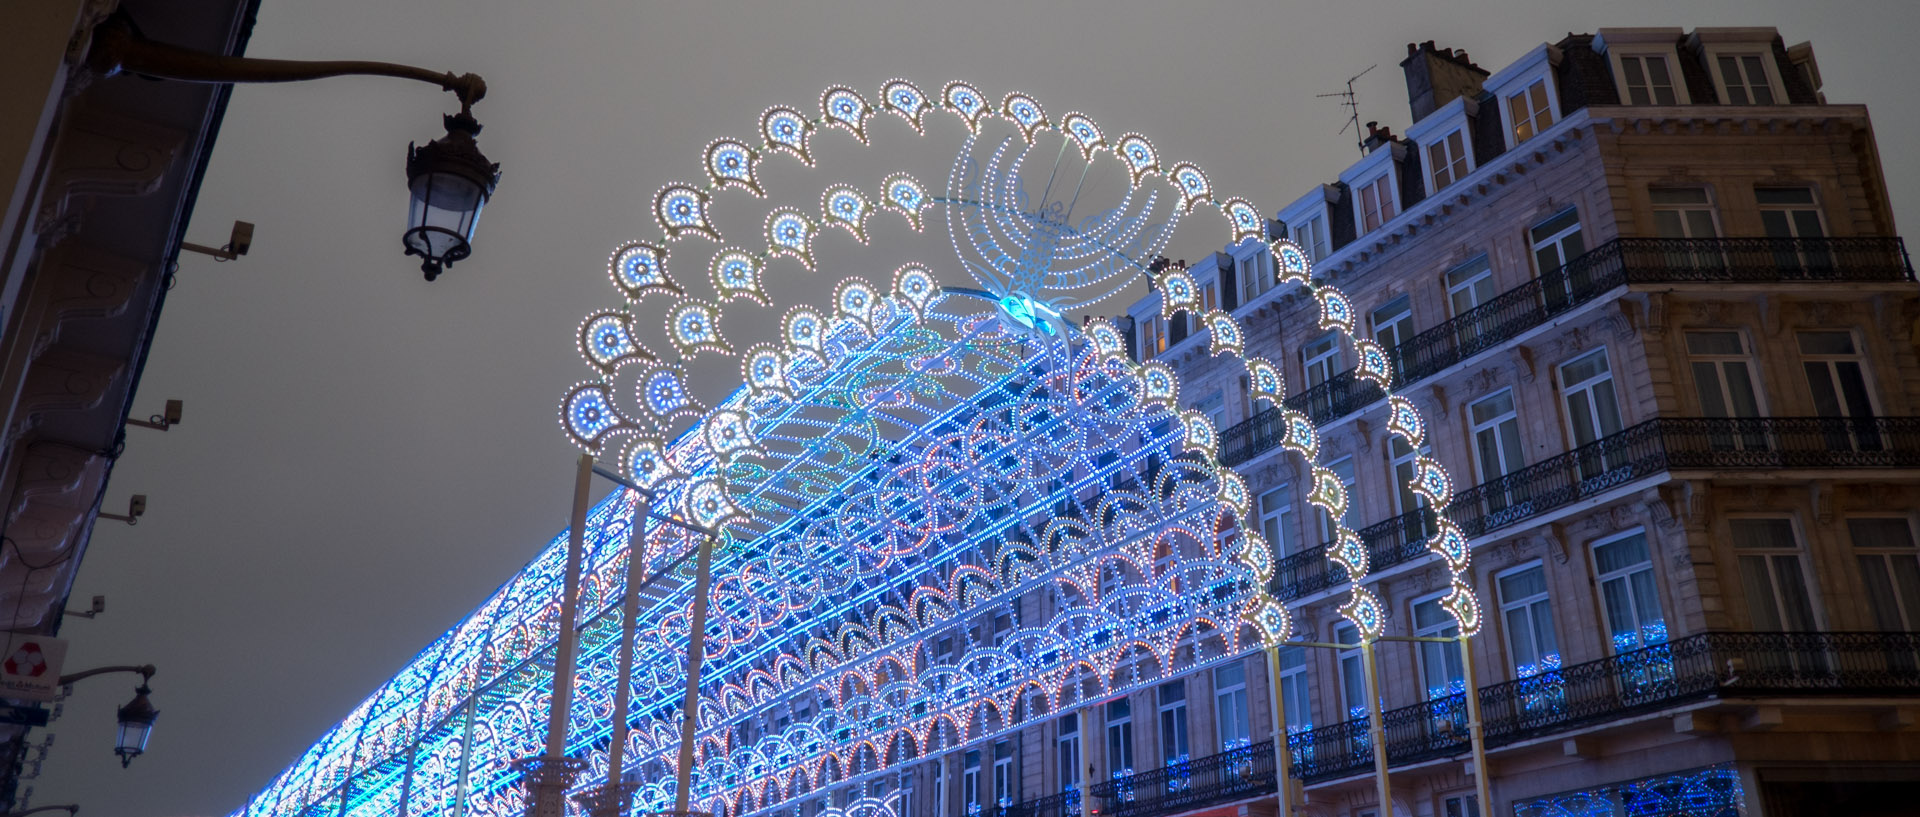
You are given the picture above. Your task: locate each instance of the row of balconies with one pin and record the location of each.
(1653, 447)
(1695, 669)
(1583, 280)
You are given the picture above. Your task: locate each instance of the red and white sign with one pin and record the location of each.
(31, 667)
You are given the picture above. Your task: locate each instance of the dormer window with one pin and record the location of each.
(1648, 79)
(1376, 203)
(1255, 273)
(1447, 156)
(1744, 78)
(1311, 235)
(1529, 111)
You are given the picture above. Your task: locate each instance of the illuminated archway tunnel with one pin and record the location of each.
(920, 454)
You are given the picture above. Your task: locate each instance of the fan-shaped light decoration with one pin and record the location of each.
(1086, 135)
(1373, 366)
(1138, 155)
(843, 206)
(1450, 543)
(1178, 292)
(904, 98)
(1328, 493)
(787, 129)
(681, 209)
(1290, 262)
(1350, 553)
(790, 233)
(764, 370)
(905, 195)
(1302, 438)
(1199, 433)
(1225, 334)
(1263, 381)
(708, 504)
(587, 415)
(1464, 607)
(1158, 385)
(736, 274)
(663, 393)
(855, 300)
(1404, 421)
(1107, 339)
(694, 326)
(1256, 554)
(607, 342)
(805, 332)
(1025, 114)
(639, 269)
(1245, 219)
(966, 101)
(1430, 481)
(1336, 312)
(1233, 491)
(728, 434)
(1273, 620)
(914, 285)
(644, 460)
(844, 107)
(1192, 185)
(1365, 613)
(730, 164)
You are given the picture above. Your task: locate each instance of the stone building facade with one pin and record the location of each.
(1645, 285)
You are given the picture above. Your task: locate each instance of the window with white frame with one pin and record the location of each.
(1311, 234)
(1722, 373)
(1376, 203)
(1683, 212)
(1256, 275)
(1230, 715)
(1586, 386)
(1556, 241)
(1173, 722)
(1320, 358)
(1440, 667)
(1744, 77)
(1214, 405)
(1789, 212)
(1276, 520)
(1648, 79)
(1890, 568)
(903, 806)
(1002, 628)
(1527, 613)
(1772, 574)
(1353, 671)
(1469, 285)
(1005, 777)
(1529, 112)
(1209, 301)
(970, 782)
(1460, 805)
(1404, 459)
(1496, 435)
(1393, 323)
(1293, 689)
(1836, 373)
(1343, 470)
(1628, 592)
(1153, 337)
(1119, 738)
(1067, 752)
(1448, 159)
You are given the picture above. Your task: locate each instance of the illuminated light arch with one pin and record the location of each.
(792, 438)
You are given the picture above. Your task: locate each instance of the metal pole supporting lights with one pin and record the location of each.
(449, 179)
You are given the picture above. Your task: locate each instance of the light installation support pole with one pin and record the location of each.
(696, 652)
(549, 775)
(1376, 727)
(466, 759)
(1282, 761)
(622, 694)
(1474, 727)
(1087, 742)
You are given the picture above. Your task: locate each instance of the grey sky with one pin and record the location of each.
(365, 456)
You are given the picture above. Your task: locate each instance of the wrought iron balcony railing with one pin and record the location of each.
(1695, 668)
(1234, 774)
(1582, 280)
(1651, 447)
(1686, 442)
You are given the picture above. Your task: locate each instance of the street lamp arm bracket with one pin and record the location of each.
(146, 671)
(118, 46)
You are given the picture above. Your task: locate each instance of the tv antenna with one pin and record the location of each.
(1353, 109)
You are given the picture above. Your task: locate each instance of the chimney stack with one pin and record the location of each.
(1377, 136)
(1437, 76)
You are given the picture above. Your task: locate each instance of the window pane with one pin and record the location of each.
(1882, 532)
(1757, 80)
(1762, 533)
(1586, 367)
(1784, 195)
(1529, 582)
(1679, 195)
(1715, 343)
(1730, 75)
(1621, 554)
(1553, 226)
(1492, 407)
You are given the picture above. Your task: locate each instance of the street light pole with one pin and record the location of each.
(1475, 730)
(1376, 727)
(1282, 759)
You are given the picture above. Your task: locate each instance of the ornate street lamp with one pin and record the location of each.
(136, 716)
(449, 179)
